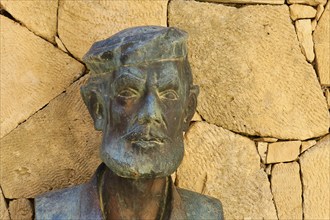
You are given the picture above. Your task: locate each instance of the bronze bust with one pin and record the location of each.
(141, 96)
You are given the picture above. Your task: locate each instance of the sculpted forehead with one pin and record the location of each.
(160, 72)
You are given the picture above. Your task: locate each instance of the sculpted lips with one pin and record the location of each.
(145, 140)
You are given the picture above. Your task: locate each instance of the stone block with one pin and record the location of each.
(304, 33)
(33, 72)
(322, 47)
(262, 150)
(314, 24)
(196, 117)
(266, 139)
(327, 96)
(21, 209)
(226, 165)
(320, 10)
(315, 166)
(258, 90)
(39, 16)
(4, 214)
(283, 151)
(56, 148)
(286, 189)
(308, 2)
(272, 2)
(81, 23)
(305, 145)
(60, 44)
(301, 11)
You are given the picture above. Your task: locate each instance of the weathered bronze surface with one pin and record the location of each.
(141, 96)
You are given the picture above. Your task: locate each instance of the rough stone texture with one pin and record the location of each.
(39, 16)
(305, 145)
(4, 214)
(274, 2)
(33, 72)
(262, 150)
(60, 44)
(314, 24)
(315, 166)
(196, 117)
(21, 209)
(225, 165)
(308, 2)
(327, 95)
(56, 148)
(81, 23)
(268, 169)
(304, 33)
(286, 188)
(322, 47)
(301, 11)
(320, 10)
(259, 90)
(283, 151)
(266, 139)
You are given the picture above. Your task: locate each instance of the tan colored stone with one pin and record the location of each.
(21, 209)
(60, 44)
(4, 214)
(315, 166)
(257, 90)
(33, 72)
(266, 139)
(308, 2)
(226, 165)
(262, 150)
(81, 23)
(56, 148)
(305, 145)
(314, 24)
(283, 151)
(322, 47)
(304, 33)
(320, 10)
(273, 2)
(301, 11)
(286, 188)
(39, 16)
(268, 169)
(196, 117)
(327, 95)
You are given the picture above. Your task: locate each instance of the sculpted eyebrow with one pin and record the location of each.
(168, 82)
(127, 78)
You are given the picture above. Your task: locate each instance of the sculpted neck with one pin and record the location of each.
(124, 198)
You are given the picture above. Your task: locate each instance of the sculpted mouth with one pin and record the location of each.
(146, 142)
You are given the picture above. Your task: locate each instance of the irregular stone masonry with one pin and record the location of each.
(287, 191)
(21, 209)
(254, 81)
(283, 151)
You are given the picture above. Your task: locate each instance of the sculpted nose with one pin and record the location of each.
(150, 111)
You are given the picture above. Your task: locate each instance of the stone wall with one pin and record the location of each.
(259, 140)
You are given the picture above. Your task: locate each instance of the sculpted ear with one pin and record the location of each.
(95, 104)
(191, 108)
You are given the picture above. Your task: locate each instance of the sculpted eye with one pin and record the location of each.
(169, 94)
(127, 93)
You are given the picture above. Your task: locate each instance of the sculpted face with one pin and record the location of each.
(150, 106)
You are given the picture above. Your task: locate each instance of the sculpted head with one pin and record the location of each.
(140, 95)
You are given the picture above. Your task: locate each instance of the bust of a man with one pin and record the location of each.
(141, 96)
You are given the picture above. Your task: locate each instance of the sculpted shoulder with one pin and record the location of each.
(77, 202)
(199, 206)
(60, 204)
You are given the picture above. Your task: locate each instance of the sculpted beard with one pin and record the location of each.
(142, 152)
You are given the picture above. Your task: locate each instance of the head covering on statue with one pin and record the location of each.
(141, 96)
